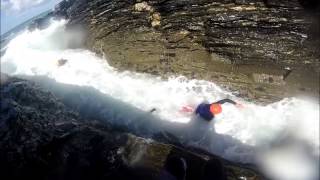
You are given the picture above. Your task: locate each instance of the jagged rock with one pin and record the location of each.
(143, 6)
(61, 62)
(205, 39)
(40, 23)
(40, 138)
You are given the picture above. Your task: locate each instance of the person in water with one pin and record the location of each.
(208, 111)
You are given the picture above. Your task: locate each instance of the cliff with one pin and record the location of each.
(245, 46)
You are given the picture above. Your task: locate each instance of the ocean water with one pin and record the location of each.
(282, 138)
(7, 36)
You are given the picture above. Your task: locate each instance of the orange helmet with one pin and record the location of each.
(215, 108)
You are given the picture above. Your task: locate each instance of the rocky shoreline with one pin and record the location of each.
(262, 51)
(244, 46)
(41, 138)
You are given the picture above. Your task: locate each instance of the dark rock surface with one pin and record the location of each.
(41, 22)
(225, 41)
(41, 138)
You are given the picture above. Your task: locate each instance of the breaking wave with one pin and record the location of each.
(37, 53)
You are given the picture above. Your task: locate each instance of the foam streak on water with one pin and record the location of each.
(37, 52)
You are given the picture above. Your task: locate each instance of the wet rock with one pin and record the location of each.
(143, 6)
(259, 88)
(287, 73)
(310, 4)
(41, 138)
(145, 153)
(61, 10)
(268, 79)
(238, 30)
(155, 19)
(180, 37)
(40, 23)
(61, 62)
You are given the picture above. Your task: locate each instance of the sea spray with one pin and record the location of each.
(37, 53)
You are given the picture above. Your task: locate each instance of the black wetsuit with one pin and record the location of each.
(203, 109)
(225, 101)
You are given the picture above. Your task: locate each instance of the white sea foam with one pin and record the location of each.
(37, 53)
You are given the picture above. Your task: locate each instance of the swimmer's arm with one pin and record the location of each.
(226, 101)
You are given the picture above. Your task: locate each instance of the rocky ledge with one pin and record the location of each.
(244, 45)
(41, 138)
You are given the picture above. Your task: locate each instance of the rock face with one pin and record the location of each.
(225, 41)
(40, 138)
